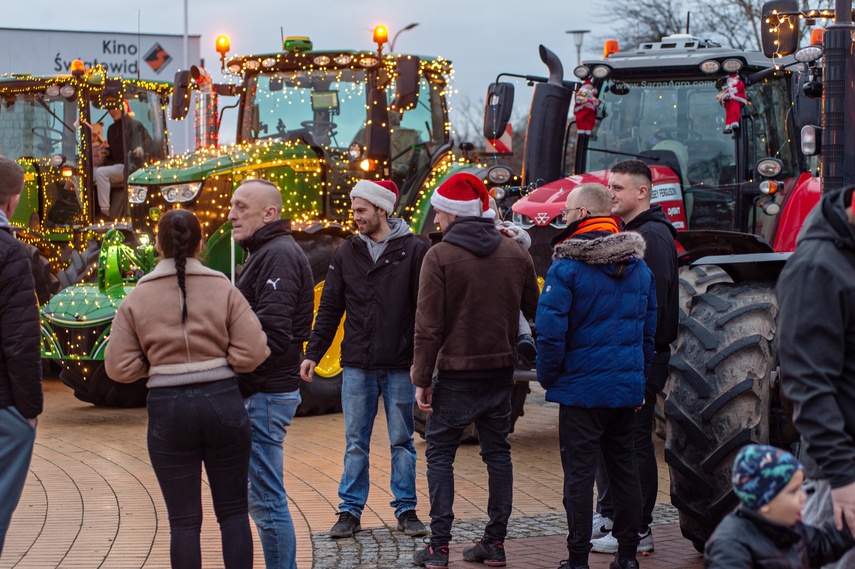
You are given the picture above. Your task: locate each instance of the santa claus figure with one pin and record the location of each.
(732, 98)
(585, 107)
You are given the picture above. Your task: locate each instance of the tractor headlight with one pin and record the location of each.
(181, 192)
(523, 221)
(499, 175)
(769, 167)
(137, 194)
(355, 151)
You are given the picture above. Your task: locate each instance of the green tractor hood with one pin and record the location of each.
(245, 158)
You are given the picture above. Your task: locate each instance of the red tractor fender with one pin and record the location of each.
(797, 205)
(543, 204)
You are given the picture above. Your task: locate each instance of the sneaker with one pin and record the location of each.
(601, 526)
(620, 563)
(346, 526)
(432, 557)
(606, 544)
(609, 544)
(490, 554)
(526, 348)
(646, 543)
(566, 565)
(410, 524)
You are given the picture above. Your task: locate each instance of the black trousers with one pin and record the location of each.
(645, 452)
(582, 433)
(456, 404)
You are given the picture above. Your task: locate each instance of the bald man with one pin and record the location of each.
(277, 282)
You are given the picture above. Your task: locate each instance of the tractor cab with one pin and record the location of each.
(56, 128)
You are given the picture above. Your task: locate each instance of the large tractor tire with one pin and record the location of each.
(323, 395)
(692, 281)
(719, 399)
(470, 434)
(80, 266)
(91, 384)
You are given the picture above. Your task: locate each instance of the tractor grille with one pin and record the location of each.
(78, 342)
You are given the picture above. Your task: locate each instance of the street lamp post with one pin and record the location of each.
(394, 39)
(578, 35)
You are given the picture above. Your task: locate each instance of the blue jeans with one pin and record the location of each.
(457, 404)
(271, 415)
(360, 390)
(189, 425)
(17, 437)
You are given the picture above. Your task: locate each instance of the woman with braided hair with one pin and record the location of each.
(188, 330)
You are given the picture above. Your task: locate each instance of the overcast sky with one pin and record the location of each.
(482, 39)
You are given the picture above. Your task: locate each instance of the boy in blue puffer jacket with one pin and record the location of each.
(596, 320)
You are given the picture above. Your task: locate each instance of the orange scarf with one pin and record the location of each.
(589, 224)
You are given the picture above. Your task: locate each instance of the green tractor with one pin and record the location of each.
(50, 124)
(314, 122)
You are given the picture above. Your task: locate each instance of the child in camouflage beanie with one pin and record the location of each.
(766, 529)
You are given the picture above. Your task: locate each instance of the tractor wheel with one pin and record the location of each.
(719, 399)
(470, 434)
(91, 385)
(692, 282)
(46, 282)
(323, 395)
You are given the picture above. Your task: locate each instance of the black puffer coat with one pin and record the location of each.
(20, 355)
(277, 282)
(745, 539)
(380, 299)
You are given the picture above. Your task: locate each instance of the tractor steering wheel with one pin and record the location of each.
(46, 140)
(319, 127)
(679, 134)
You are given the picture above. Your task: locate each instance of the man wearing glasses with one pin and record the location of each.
(595, 321)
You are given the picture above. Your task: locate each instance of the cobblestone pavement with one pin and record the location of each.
(92, 500)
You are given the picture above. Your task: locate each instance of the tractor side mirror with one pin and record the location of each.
(181, 95)
(377, 140)
(407, 84)
(784, 40)
(497, 109)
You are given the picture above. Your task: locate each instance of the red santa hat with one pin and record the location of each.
(463, 195)
(381, 193)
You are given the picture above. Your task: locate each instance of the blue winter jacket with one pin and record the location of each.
(595, 322)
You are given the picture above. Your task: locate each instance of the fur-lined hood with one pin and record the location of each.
(605, 250)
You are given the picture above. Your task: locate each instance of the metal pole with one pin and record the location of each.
(838, 138)
(186, 66)
(578, 36)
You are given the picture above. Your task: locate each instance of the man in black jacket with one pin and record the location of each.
(277, 282)
(630, 185)
(20, 357)
(374, 276)
(816, 327)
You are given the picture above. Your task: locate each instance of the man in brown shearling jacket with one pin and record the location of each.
(471, 290)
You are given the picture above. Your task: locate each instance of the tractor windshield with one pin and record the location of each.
(326, 107)
(38, 126)
(683, 117)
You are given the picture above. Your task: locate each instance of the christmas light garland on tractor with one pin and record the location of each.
(313, 122)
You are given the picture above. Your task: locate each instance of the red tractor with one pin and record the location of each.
(737, 194)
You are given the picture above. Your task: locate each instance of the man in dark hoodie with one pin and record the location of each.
(277, 282)
(630, 184)
(816, 327)
(596, 321)
(20, 356)
(473, 285)
(374, 276)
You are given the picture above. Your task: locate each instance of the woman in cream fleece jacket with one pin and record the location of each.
(188, 330)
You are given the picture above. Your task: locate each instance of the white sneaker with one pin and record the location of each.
(606, 544)
(646, 543)
(609, 543)
(601, 527)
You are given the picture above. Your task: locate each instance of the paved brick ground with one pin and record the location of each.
(92, 500)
